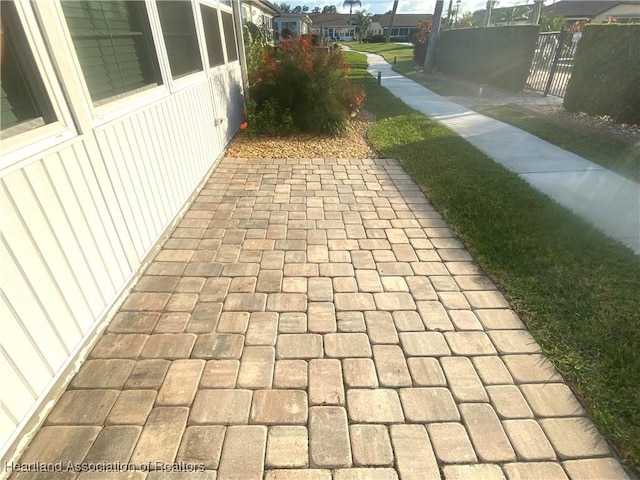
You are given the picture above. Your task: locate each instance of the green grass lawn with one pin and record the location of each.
(576, 289)
(403, 57)
(597, 147)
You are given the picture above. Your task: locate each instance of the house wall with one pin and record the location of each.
(82, 208)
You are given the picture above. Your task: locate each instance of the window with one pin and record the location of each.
(114, 46)
(180, 38)
(230, 37)
(25, 104)
(212, 35)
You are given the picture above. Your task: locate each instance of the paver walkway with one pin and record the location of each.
(317, 319)
(604, 198)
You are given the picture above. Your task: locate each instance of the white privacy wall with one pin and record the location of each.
(78, 218)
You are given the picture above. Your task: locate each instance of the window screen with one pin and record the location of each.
(229, 36)
(180, 39)
(212, 35)
(114, 46)
(24, 103)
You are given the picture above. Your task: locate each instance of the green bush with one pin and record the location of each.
(498, 56)
(606, 73)
(296, 87)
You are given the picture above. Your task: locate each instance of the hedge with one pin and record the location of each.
(498, 56)
(606, 73)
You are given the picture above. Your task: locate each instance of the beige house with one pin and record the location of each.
(597, 11)
(297, 23)
(259, 12)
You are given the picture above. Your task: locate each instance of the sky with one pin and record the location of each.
(406, 6)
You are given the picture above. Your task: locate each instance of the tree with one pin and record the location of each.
(363, 22)
(316, 10)
(350, 4)
(466, 21)
(393, 18)
(283, 7)
(551, 23)
(330, 9)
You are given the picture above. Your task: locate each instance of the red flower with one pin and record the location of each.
(244, 125)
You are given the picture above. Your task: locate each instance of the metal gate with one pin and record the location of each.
(552, 62)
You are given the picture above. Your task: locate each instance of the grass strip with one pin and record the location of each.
(599, 148)
(576, 289)
(615, 155)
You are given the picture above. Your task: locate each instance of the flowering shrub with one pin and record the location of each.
(420, 41)
(296, 87)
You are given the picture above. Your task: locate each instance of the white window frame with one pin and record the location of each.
(217, 6)
(112, 110)
(228, 9)
(190, 79)
(20, 146)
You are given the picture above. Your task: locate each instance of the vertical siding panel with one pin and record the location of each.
(155, 163)
(178, 146)
(127, 206)
(166, 162)
(143, 159)
(95, 170)
(205, 131)
(139, 178)
(214, 131)
(21, 399)
(29, 236)
(184, 123)
(215, 101)
(131, 181)
(23, 351)
(28, 307)
(64, 234)
(8, 422)
(110, 220)
(101, 250)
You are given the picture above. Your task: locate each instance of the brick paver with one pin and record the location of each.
(317, 319)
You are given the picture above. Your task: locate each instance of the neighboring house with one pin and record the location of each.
(259, 12)
(113, 114)
(501, 16)
(297, 23)
(404, 24)
(596, 11)
(334, 26)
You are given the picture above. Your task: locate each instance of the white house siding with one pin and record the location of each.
(78, 219)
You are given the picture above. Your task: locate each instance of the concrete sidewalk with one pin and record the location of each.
(605, 199)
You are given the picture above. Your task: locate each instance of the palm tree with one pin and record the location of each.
(393, 18)
(363, 22)
(350, 4)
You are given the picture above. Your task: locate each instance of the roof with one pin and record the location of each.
(264, 5)
(331, 19)
(584, 8)
(499, 12)
(295, 16)
(402, 19)
(342, 19)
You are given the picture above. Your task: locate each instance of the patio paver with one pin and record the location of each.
(324, 324)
